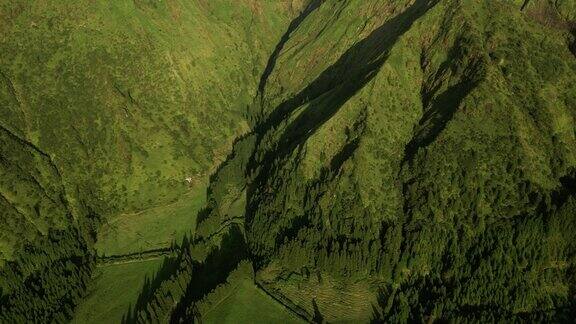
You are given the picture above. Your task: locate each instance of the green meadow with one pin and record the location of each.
(152, 228)
(113, 290)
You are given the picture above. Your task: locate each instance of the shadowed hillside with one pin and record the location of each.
(415, 158)
(336, 161)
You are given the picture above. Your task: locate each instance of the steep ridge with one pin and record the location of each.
(409, 161)
(475, 149)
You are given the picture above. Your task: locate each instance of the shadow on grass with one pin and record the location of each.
(317, 318)
(441, 105)
(211, 273)
(205, 276)
(325, 96)
(573, 44)
(356, 67)
(313, 5)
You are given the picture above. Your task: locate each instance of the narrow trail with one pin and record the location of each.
(105, 261)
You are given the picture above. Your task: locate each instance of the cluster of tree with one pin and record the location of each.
(161, 295)
(203, 261)
(47, 279)
(520, 268)
(45, 253)
(183, 282)
(242, 272)
(481, 219)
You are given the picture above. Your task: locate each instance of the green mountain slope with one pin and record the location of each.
(409, 161)
(393, 161)
(429, 155)
(112, 108)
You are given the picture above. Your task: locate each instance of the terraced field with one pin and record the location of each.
(249, 304)
(320, 296)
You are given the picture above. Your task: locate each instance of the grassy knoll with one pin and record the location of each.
(152, 228)
(113, 290)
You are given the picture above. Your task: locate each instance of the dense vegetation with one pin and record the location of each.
(429, 152)
(394, 161)
(435, 156)
(111, 110)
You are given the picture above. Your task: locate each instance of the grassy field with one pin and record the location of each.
(113, 290)
(248, 304)
(152, 228)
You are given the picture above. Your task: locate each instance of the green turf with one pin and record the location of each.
(113, 290)
(248, 304)
(152, 228)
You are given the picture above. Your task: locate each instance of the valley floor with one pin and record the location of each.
(114, 289)
(116, 286)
